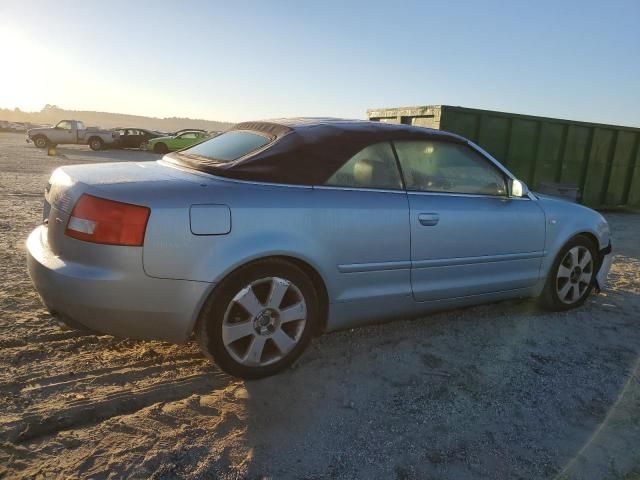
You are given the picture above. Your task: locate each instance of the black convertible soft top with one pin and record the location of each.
(307, 151)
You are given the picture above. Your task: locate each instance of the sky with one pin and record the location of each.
(240, 60)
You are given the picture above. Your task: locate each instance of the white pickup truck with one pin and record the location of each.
(72, 132)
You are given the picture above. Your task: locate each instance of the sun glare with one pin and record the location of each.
(20, 57)
(41, 74)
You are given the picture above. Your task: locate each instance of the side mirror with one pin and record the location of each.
(517, 189)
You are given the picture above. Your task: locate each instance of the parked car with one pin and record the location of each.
(72, 132)
(13, 127)
(272, 231)
(136, 137)
(176, 142)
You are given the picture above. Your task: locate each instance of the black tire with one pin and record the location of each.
(550, 297)
(161, 148)
(96, 143)
(40, 141)
(210, 322)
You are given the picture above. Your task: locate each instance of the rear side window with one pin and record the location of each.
(372, 167)
(229, 146)
(430, 166)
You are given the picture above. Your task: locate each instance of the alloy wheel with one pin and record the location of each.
(264, 322)
(574, 276)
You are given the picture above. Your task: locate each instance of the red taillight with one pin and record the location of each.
(99, 220)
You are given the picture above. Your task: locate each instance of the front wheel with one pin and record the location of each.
(161, 148)
(259, 319)
(41, 142)
(572, 275)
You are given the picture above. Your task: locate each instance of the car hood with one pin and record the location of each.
(550, 197)
(33, 131)
(558, 202)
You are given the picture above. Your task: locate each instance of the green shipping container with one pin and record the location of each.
(603, 161)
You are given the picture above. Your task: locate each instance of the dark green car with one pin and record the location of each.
(183, 139)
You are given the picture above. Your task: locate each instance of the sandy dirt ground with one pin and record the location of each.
(496, 391)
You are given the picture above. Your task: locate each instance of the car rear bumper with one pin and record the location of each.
(124, 304)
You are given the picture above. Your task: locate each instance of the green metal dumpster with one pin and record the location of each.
(603, 161)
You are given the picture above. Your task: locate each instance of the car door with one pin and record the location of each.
(63, 133)
(362, 217)
(131, 138)
(197, 138)
(183, 140)
(137, 137)
(121, 137)
(201, 137)
(467, 236)
(124, 138)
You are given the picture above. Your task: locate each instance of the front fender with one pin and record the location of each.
(565, 220)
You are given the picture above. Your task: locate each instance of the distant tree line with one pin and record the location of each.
(51, 114)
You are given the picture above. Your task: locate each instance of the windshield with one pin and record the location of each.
(229, 146)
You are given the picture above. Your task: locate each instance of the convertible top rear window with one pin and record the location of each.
(229, 146)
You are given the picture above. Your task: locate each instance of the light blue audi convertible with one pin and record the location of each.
(260, 237)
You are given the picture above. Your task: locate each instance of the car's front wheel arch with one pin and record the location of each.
(41, 141)
(555, 249)
(581, 243)
(160, 148)
(596, 243)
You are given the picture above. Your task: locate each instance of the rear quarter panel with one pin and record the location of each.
(272, 220)
(265, 220)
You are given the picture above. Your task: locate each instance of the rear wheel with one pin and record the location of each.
(161, 148)
(96, 143)
(259, 319)
(41, 141)
(572, 275)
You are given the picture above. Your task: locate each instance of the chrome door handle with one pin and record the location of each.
(428, 219)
